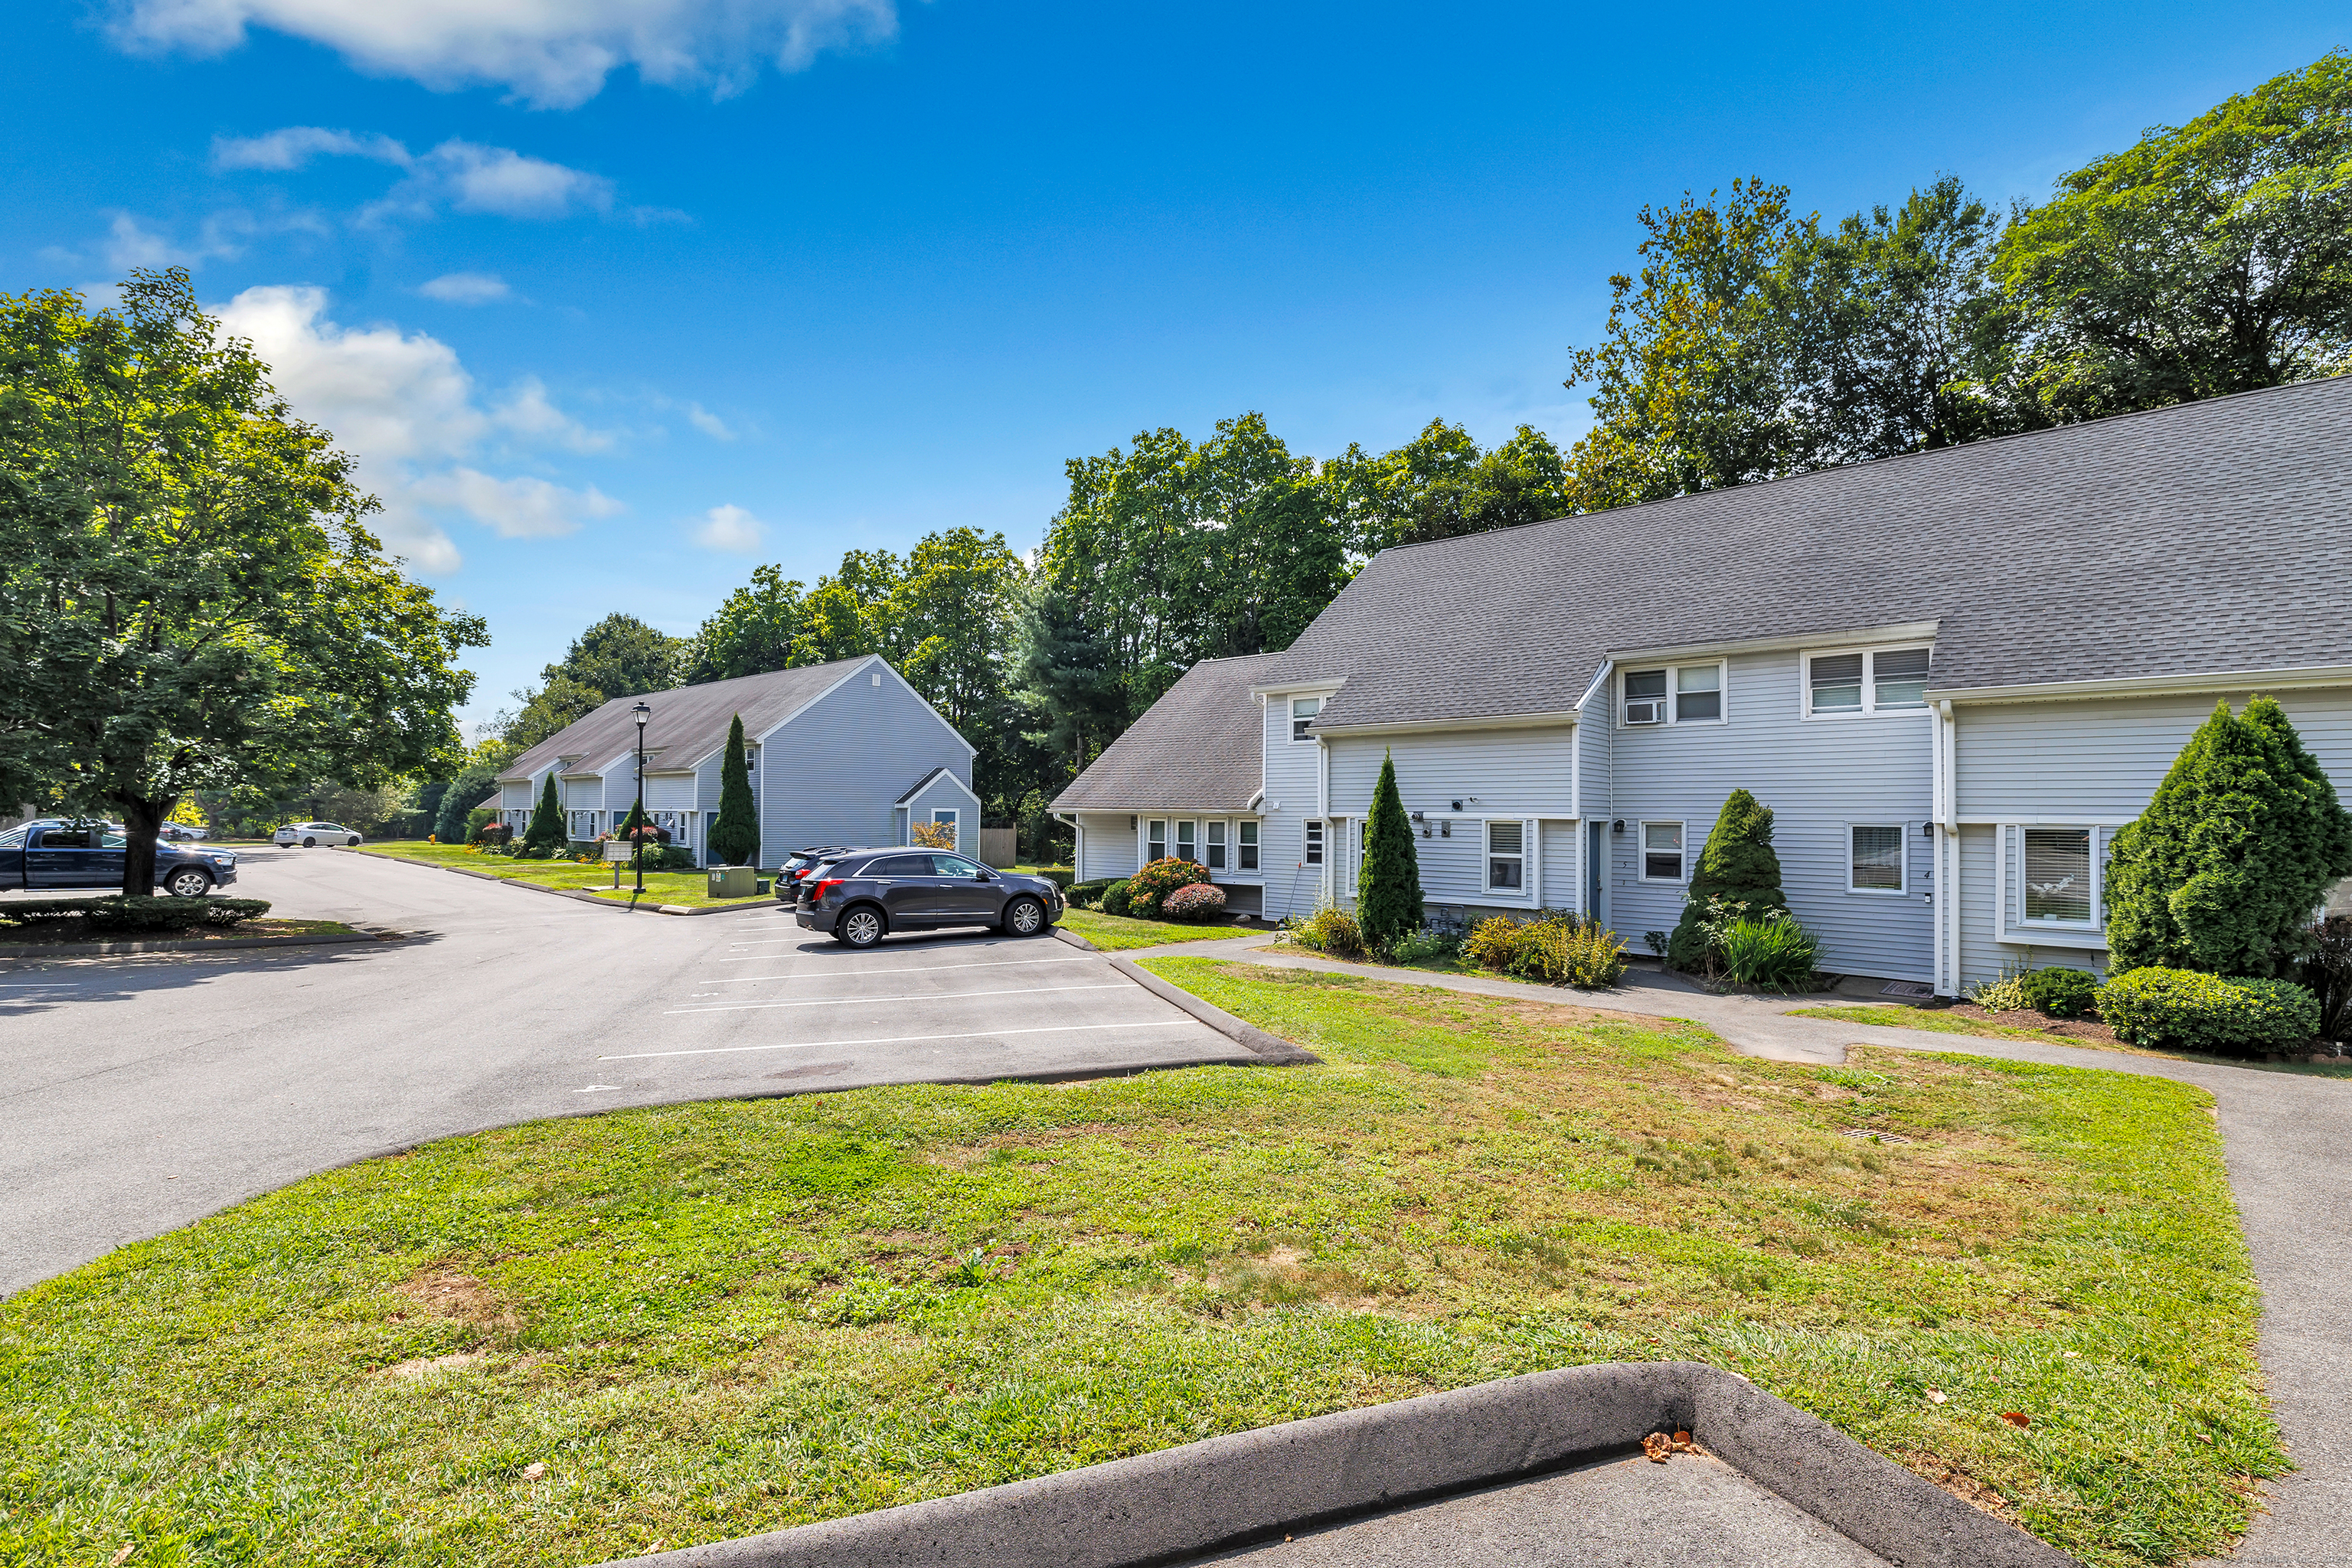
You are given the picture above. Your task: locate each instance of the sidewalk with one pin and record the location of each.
(2286, 1141)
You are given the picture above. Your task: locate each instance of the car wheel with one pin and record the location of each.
(860, 927)
(355, 840)
(1024, 917)
(190, 883)
(309, 844)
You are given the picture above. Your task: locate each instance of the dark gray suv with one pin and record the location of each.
(866, 894)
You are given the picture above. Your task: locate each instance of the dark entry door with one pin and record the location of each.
(1596, 867)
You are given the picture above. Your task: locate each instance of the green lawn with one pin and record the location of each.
(35, 934)
(709, 1319)
(690, 889)
(1900, 1018)
(1114, 933)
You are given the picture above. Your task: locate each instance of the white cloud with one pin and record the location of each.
(553, 54)
(466, 289)
(707, 422)
(407, 409)
(731, 529)
(298, 144)
(128, 243)
(520, 507)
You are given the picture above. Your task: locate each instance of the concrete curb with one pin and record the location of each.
(188, 944)
(575, 894)
(1251, 1487)
(1073, 939)
(1276, 1050)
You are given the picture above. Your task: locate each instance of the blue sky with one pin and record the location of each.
(614, 298)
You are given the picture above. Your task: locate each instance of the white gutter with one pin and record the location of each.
(2132, 685)
(1945, 750)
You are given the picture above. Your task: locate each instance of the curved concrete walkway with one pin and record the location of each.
(2287, 1142)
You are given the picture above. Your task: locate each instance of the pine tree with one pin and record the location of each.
(735, 837)
(546, 830)
(1388, 889)
(1737, 866)
(2224, 869)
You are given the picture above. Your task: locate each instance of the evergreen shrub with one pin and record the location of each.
(1737, 866)
(735, 836)
(1157, 880)
(1194, 903)
(1387, 887)
(1115, 900)
(2061, 993)
(2236, 849)
(1086, 895)
(546, 831)
(2188, 1009)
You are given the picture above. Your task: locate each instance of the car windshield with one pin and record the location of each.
(13, 839)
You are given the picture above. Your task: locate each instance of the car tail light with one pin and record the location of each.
(817, 893)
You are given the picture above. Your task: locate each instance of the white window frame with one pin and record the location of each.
(1314, 845)
(1187, 826)
(1902, 860)
(1298, 721)
(1216, 836)
(1672, 699)
(1641, 849)
(1149, 824)
(1487, 855)
(952, 816)
(1245, 845)
(1870, 708)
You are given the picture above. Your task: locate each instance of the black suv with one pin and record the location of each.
(56, 854)
(866, 894)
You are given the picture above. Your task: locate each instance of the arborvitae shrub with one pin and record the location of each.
(1736, 865)
(735, 836)
(546, 829)
(1388, 888)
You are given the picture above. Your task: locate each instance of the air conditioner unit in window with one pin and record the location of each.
(1651, 712)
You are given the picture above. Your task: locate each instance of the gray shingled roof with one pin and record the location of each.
(1197, 749)
(2214, 536)
(688, 723)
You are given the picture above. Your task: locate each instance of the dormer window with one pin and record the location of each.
(1303, 710)
(1876, 680)
(1676, 694)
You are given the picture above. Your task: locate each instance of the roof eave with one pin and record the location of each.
(2282, 677)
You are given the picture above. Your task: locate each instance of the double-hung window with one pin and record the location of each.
(1302, 713)
(1676, 694)
(1155, 840)
(1216, 851)
(1874, 858)
(1875, 681)
(1314, 844)
(1248, 845)
(1187, 842)
(1507, 857)
(1662, 852)
(2057, 884)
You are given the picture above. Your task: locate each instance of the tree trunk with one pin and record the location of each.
(141, 821)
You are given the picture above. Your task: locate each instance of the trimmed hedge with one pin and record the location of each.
(1195, 903)
(2061, 993)
(2188, 1010)
(1115, 899)
(137, 914)
(1086, 895)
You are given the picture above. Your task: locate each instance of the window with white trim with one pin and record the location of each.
(1187, 842)
(1874, 858)
(1302, 713)
(1155, 840)
(1674, 694)
(1873, 681)
(1247, 846)
(1314, 844)
(1507, 857)
(950, 818)
(583, 824)
(2058, 876)
(1214, 846)
(1661, 851)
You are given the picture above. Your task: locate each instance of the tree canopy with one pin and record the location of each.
(189, 593)
(620, 655)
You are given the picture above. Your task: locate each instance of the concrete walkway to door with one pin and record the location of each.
(2287, 1143)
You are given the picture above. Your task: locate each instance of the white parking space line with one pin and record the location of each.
(895, 1040)
(854, 1001)
(903, 968)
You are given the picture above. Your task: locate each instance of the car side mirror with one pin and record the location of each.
(983, 876)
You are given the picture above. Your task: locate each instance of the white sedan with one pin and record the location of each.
(310, 835)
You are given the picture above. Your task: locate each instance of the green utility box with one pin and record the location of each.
(734, 881)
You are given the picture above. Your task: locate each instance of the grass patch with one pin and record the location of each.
(709, 1319)
(1900, 1018)
(50, 933)
(690, 889)
(1114, 933)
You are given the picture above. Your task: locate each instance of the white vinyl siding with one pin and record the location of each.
(1107, 845)
(669, 792)
(1456, 782)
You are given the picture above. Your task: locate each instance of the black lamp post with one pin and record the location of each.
(637, 838)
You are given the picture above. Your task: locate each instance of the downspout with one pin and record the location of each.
(1948, 843)
(1323, 815)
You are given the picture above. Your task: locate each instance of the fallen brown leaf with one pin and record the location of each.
(1657, 1445)
(533, 1470)
(2017, 1418)
(124, 1556)
(1682, 1440)
(1936, 1397)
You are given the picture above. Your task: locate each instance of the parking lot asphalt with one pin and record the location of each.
(138, 1094)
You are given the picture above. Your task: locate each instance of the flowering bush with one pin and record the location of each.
(1192, 902)
(493, 833)
(1157, 880)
